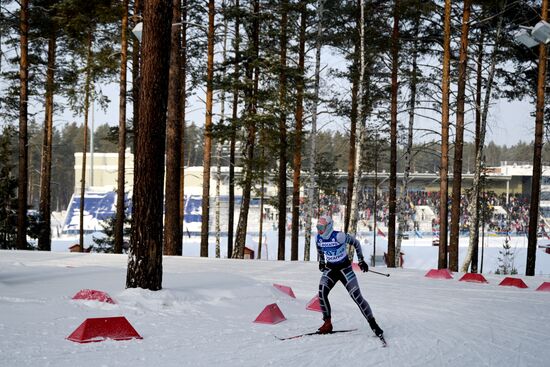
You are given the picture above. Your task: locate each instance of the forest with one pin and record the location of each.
(285, 86)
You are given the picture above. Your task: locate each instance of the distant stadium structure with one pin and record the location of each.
(507, 181)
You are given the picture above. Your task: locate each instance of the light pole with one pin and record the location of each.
(539, 34)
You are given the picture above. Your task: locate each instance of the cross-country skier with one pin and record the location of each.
(336, 266)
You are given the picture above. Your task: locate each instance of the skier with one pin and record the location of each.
(336, 266)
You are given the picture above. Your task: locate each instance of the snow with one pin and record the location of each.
(204, 316)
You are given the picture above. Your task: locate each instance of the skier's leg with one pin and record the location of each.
(352, 285)
(326, 283)
(349, 280)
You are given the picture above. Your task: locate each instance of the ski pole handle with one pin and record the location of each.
(375, 272)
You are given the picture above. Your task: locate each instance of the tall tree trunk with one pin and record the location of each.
(282, 137)
(87, 90)
(312, 192)
(22, 182)
(120, 205)
(44, 239)
(207, 132)
(219, 142)
(353, 123)
(444, 165)
(145, 255)
(172, 219)
(298, 136)
(471, 257)
(393, 138)
(474, 220)
(218, 201)
(459, 142)
(537, 156)
(360, 134)
(262, 199)
(136, 69)
(183, 81)
(251, 93)
(232, 142)
(405, 203)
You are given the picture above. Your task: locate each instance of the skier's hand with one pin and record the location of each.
(322, 266)
(363, 266)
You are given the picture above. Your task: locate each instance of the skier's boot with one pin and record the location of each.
(326, 328)
(375, 328)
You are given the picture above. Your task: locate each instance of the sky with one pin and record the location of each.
(508, 122)
(204, 316)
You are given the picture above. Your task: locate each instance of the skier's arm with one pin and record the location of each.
(349, 239)
(321, 258)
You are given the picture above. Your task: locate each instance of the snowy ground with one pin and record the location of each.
(204, 316)
(418, 252)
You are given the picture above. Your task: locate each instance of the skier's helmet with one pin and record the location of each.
(324, 225)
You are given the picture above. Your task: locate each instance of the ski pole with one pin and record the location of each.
(375, 272)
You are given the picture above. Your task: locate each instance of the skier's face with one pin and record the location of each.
(322, 225)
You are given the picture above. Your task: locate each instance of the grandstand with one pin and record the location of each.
(507, 191)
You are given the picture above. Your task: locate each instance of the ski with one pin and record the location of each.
(315, 333)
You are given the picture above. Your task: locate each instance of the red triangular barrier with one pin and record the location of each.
(439, 274)
(314, 304)
(513, 282)
(544, 287)
(93, 295)
(99, 329)
(473, 277)
(285, 289)
(271, 314)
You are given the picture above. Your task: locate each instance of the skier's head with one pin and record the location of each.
(324, 226)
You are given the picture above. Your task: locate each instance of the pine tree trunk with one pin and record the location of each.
(262, 197)
(172, 219)
(353, 124)
(145, 255)
(459, 141)
(251, 93)
(219, 142)
(218, 180)
(207, 132)
(183, 100)
(311, 195)
(120, 205)
(136, 69)
(537, 156)
(232, 143)
(405, 203)
(298, 136)
(23, 121)
(282, 138)
(471, 257)
(475, 209)
(443, 169)
(360, 133)
(87, 90)
(392, 253)
(44, 239)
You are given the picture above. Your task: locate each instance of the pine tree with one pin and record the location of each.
(172, 218)
(208, 132)
(506, 260)
(23, 121)
(107, 242)
(145, 254)
(459, 141)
